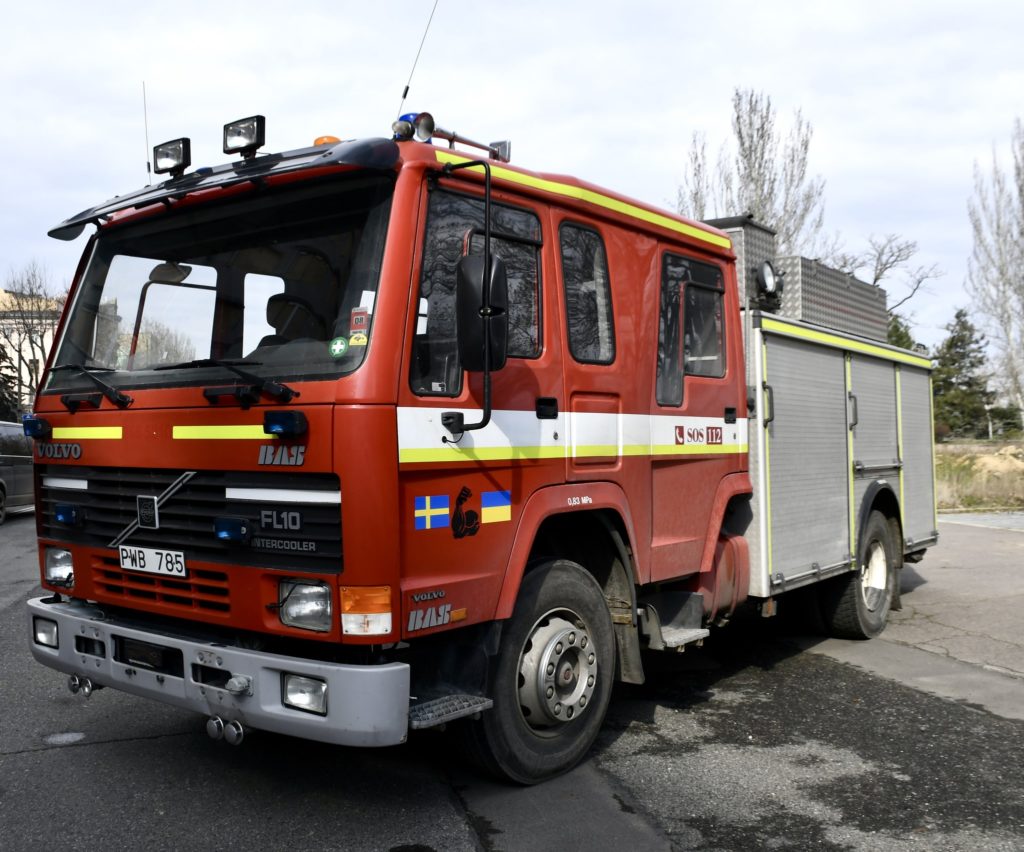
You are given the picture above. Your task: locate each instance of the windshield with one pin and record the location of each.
(282, 282)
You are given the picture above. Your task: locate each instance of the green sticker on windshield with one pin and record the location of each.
(338, 347)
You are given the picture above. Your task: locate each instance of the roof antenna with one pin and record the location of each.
(417, 59)
(145, 125)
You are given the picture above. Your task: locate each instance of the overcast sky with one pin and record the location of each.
(904, 98)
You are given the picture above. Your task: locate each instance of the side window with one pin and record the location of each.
(588, 301)
(454, 228)
(703, 333)
(690, 329)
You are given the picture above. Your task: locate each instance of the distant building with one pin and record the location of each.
(28, 323)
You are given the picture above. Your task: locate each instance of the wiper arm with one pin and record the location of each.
(121, 400)
(277, 390)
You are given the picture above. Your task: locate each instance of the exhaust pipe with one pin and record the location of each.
(87, 687)
(74, 684)
(215, 727)
(234, 733)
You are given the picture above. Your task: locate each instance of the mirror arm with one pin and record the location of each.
(455, 421)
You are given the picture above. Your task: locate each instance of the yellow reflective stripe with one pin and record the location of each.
(597, 199)
(451, 454)
(899, 439)
(780, 327)
(767, 453)
(849, 460)
(87, 433)
(247, 432)
(697, 449)
(931, 420)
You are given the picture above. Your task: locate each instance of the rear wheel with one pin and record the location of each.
(552, 678)
(3, 506)
(856, 605)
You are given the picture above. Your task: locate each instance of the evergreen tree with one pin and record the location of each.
(899, 333)
(960, 382)
(9, 403)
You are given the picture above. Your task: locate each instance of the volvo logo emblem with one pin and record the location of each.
(149, 514)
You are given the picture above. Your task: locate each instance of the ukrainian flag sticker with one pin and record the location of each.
(496, 506)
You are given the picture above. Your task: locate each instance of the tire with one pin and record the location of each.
(3, 506)
(551, 680)
(856, 605)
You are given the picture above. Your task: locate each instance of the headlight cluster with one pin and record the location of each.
(58, 568)
(305, 604)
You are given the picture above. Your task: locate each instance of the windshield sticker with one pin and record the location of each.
(357, 339)
(338, 347)
(360, 320)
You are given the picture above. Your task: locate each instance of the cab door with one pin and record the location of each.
(695, 437)
(462, 494)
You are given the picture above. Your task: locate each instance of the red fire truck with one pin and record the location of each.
(378, 435)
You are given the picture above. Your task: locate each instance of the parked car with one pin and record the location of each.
(15, 470)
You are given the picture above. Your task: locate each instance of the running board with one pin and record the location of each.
(672, 620)
(438, 711)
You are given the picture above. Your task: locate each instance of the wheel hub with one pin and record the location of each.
(874, 576)
(557, 671)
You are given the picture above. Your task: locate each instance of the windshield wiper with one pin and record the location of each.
(277, 390)
(121, 400)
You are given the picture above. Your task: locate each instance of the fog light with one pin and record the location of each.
(305, 604)
(45, 632)
(245, 136)
(308, 694)
(366, 610)
(174, 157)
(58, 568)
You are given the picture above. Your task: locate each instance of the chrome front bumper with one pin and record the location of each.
(366, 705)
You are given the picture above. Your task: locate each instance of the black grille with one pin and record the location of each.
(186, 519)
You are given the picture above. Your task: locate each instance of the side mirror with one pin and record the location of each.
(475, 322)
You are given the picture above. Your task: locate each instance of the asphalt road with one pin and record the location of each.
(767, 738)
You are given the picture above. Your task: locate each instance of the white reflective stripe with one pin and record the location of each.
(509, 435)
(283, 495)
(63, 482)
(515, 434)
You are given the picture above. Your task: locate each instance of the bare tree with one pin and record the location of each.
(767, 176)
(764, 174)
(890, 255)
(995, 272)
(29, 310)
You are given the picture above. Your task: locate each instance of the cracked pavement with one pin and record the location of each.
(965, 600)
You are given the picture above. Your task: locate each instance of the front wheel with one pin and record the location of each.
(856, 605)
(551, 680)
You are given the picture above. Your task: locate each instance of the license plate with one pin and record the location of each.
(167, 563)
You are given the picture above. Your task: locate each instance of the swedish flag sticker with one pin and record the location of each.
(432, 512)
(495, 506)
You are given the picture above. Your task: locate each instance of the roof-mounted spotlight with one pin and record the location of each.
(769, 286)
(245, 136)
(172, 157)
